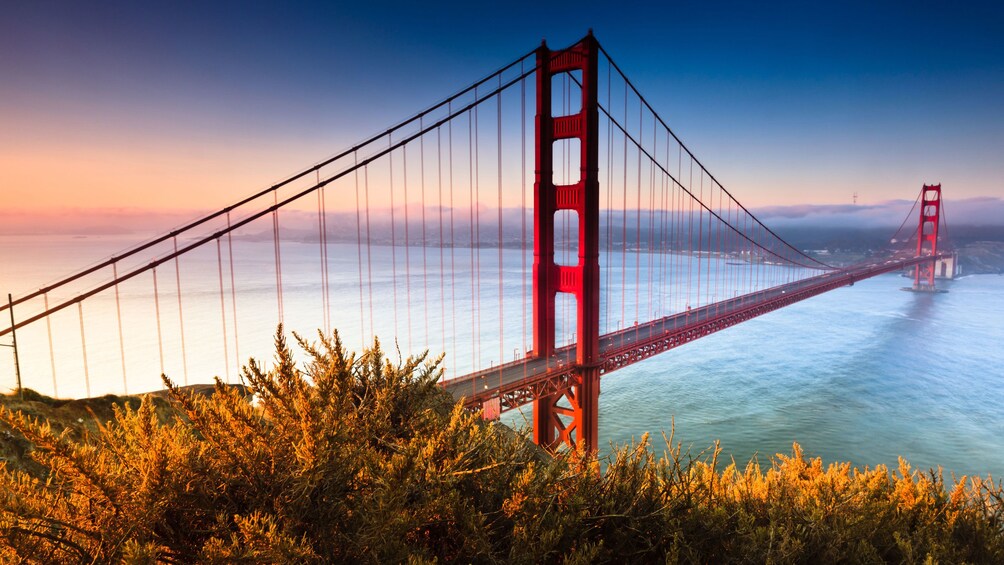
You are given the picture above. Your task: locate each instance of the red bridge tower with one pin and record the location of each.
(576, 424)
(927, 236)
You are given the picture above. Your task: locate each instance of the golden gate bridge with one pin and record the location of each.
(544, 226)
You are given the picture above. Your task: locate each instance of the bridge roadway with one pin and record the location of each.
(519, 382)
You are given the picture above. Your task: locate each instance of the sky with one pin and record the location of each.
(140, 109)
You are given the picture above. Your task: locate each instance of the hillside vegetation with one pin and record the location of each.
(358, 458)
(982, 257)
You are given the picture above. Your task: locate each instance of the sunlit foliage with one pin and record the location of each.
(360, 458)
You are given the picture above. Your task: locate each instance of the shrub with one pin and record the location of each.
(357, 458)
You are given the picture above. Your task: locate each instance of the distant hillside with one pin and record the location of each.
(982, 257)
(981, 248)
(864, 239)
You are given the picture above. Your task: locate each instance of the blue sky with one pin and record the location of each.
(786, 103)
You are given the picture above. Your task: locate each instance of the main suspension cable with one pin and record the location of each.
(671, 132)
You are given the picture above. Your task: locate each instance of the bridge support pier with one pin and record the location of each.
(572, 416)
(568, 416)
(927, 236)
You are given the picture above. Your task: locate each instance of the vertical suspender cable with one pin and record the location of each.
(359, 256)
(755, 257)
(522, 211)
(728, 240)
(675, 248)
(624, 244)
(730, 252)
(566, 240)
(768, 269)
(744, 259)
(637, 230)
(233, 295)
(83, 348)
(439, 185)
(678, 262)
(52, 354)
(943, 221)
(477, 226)
(714, 225)
(746, 278)
(442, 239)
(278, 255)
(683, 253)
(755, 254)
(393, 240)
(13, 336)
(743, 249)
(659, 249)
(407, 244)
(724, 260)
(733, 269)
(453, 245)
(749, 256)
(718, 248)
(654, 297)
(730, 269)
(670, 273)
(737, 248)
(500, 236)
(700, 236)
(710, 247)
(565, 168)
(473, 208)
(369, 252)
(425, 244)
(606, 295)
(320, 248)
(118, 315)
(322, 241)
(325, 272)
(181, 315)
(663, 220)
(690, 236)
(758, 285)
(156, 304)
(672, 216)
(223, 308)
(667, 248)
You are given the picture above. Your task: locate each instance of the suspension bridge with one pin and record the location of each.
(543, 226)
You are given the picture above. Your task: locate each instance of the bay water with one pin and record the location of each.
(862, 374)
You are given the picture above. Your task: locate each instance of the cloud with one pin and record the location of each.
(92, 221)
(981, 211)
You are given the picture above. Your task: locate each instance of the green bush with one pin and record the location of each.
(357, 458)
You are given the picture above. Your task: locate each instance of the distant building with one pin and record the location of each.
(947, 267)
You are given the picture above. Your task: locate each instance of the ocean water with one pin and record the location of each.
(863, 374)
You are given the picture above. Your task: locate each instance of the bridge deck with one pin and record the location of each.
(519, 382)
